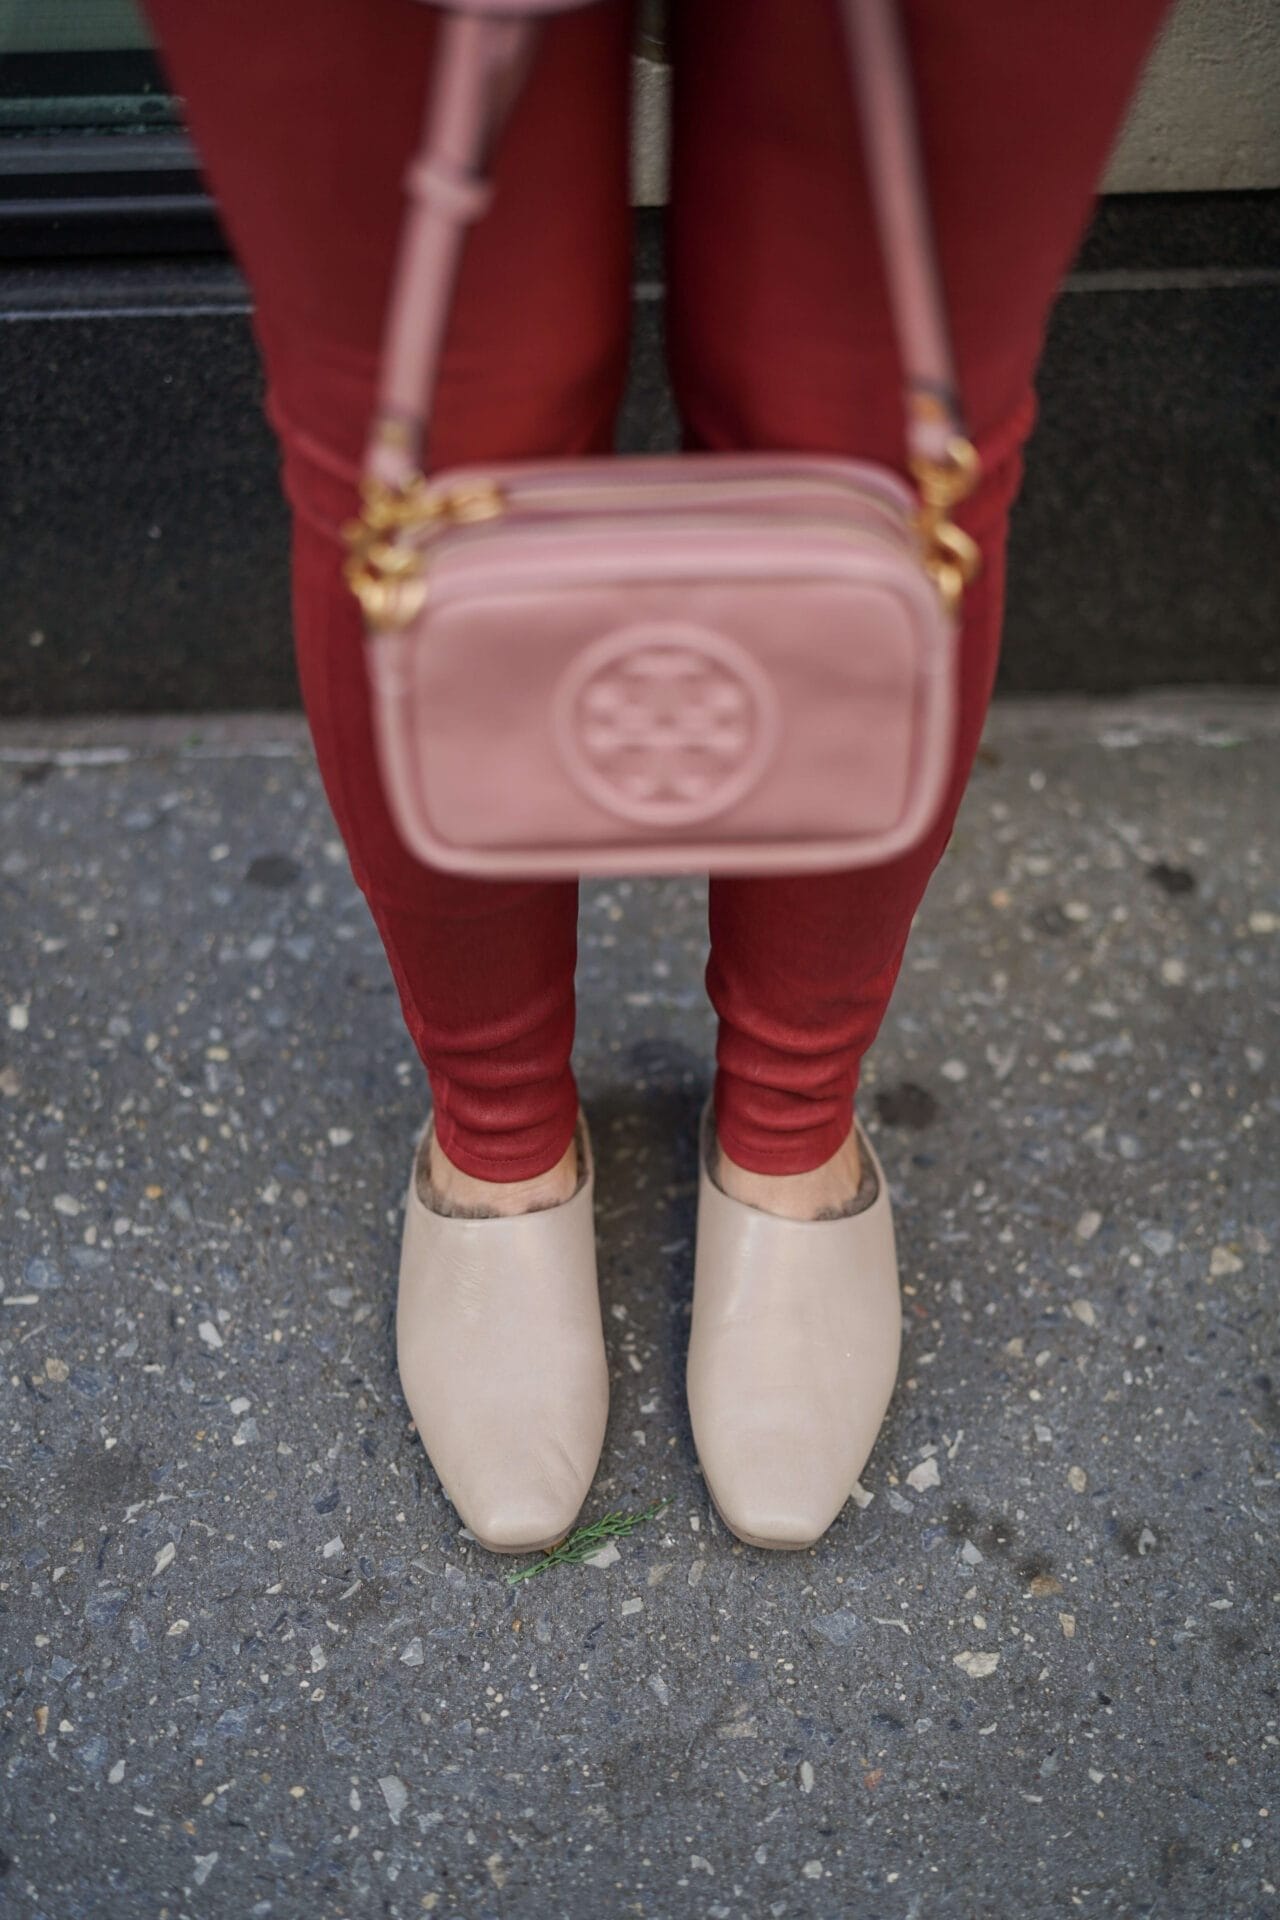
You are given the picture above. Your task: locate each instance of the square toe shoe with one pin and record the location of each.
(793, 1355)
(502, 1360)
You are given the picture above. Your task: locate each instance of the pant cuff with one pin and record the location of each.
(507, 1156)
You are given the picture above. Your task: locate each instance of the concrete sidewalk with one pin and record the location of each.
(250, 1665)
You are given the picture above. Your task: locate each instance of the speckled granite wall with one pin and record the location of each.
(145, 546)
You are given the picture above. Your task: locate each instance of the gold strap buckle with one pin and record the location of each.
(951, 556)
(386, 565)
(384, 568)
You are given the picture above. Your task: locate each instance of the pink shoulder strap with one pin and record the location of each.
(484, 49)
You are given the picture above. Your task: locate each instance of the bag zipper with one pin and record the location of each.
(507, 542)
(400, 537)
(477, 502)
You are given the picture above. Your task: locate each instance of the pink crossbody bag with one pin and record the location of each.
(740, 663)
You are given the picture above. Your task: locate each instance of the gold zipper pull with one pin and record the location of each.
(480, 501)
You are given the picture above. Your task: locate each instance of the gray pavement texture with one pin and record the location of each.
(252, 1667)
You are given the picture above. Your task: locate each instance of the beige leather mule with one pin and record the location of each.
(793, 1355)
(502, 1361)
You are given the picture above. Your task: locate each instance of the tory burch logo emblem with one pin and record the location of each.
(665, 725)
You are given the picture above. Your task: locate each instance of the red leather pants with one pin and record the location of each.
(779, 337)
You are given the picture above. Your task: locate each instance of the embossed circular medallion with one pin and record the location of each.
(665, 725)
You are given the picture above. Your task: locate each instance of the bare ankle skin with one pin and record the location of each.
(827, 1193)
(448, 1190)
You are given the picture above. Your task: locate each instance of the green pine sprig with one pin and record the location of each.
(584, 1541)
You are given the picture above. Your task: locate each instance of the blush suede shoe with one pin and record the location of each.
(502, 1360)
(793, 1354)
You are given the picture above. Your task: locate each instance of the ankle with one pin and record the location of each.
(448, 1190)
(826, 1192)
